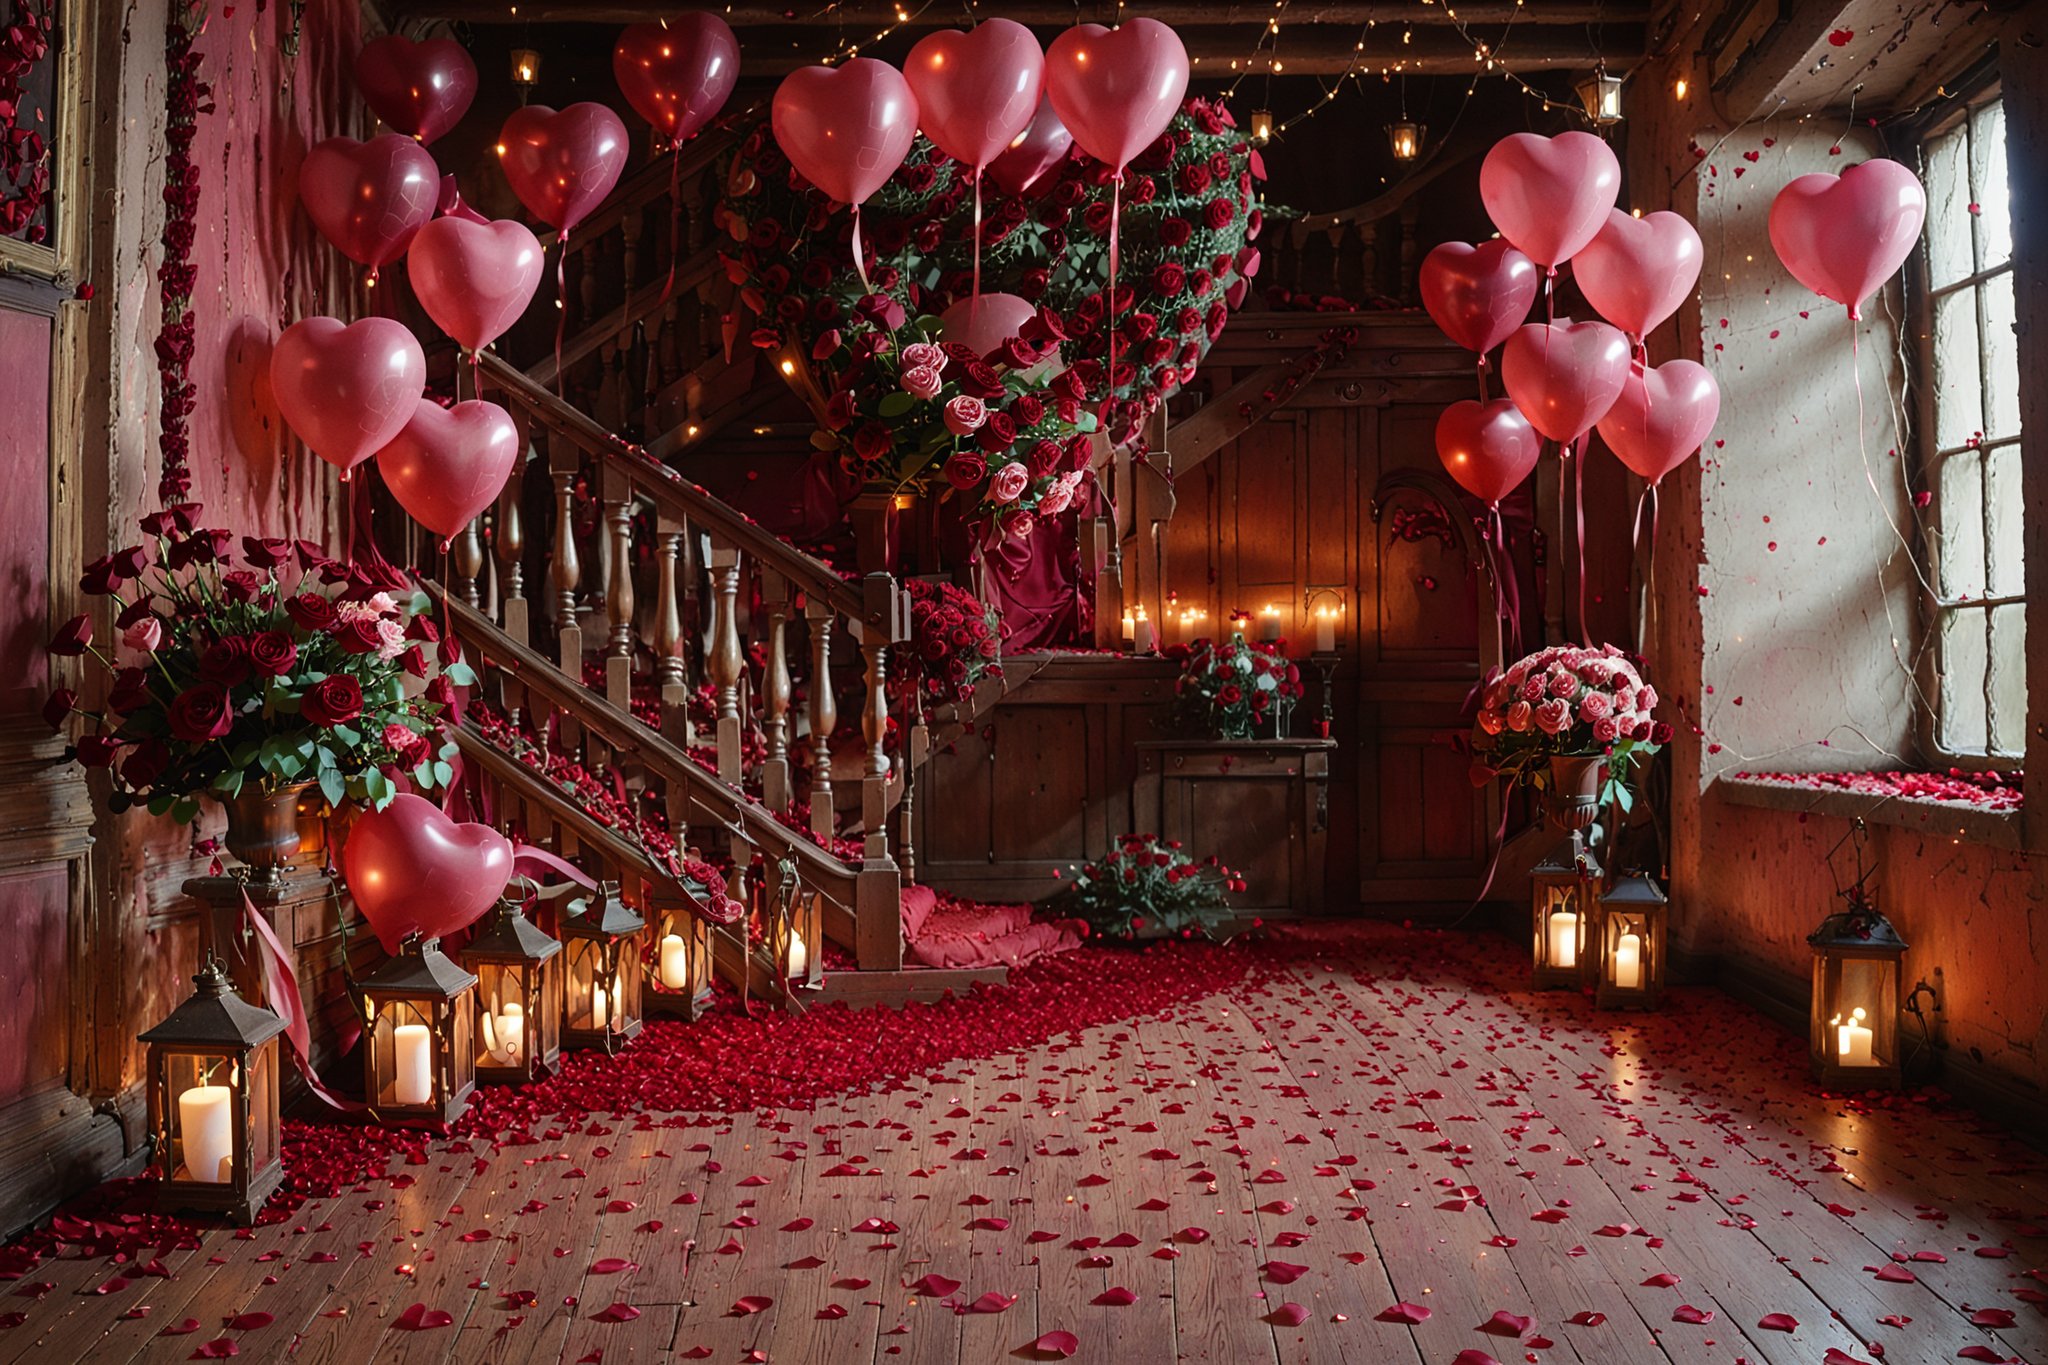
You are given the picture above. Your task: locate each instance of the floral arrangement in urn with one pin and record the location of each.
(291, 669)
(1569, 720)
(1146, 887)
(1227, 689)
(955, 642)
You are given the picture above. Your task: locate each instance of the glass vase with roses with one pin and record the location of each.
(284, 669)
(1555, 710)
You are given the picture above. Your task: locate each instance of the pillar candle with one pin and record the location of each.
(600, 1007)
(203, 1121)
(1326, 631)
(413, 1045)
(1130, 631)
(511, 1033)
(799, 956)
(675, 962)
(1144, 640)
(1269, 624)
(1628, 962)
(1853, 1041)
(1564, 939)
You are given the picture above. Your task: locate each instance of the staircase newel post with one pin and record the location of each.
(671, 669)
(726, 658)
(566, 570)
(878, 891)
(824, 709)
(618, 595)
(776, 689)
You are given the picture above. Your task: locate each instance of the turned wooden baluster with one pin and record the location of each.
(466, 557)
(916, 749)
(566, 572)
(874, 727)
(511, 544)
(668, 363)
(671, 666)
(726, 659)
(775, 688)
(618, 595)
(586, 286)
(824, 709)
(629, 225)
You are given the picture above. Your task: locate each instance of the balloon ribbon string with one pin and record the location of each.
(1579, 540)
(1482, 376)
(281, 993)
(975, 306)
(675, 225)
(1116, 190)
(561, 310)
(1650, 582)
(860, 266)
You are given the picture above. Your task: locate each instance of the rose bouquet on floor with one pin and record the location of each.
(1567, 713)
(1146, 887)
(1227, 689)
(289, 669)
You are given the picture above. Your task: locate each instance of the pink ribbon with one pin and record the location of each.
(525, 855)
(860, 267)
(281, 991)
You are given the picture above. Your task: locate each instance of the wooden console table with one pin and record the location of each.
(1261, 805)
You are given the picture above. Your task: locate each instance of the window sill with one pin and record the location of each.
(1960, 820)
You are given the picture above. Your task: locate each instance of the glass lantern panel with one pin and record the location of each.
(402, 1046)
(626, 989)
(1862, 1013)
(199, 1114)
(262, 1106)
(1627, 959)
(547, 996)
(586, 1002)
(501, 1010)
(462, 1052)
(1563, 927)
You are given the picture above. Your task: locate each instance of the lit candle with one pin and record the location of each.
(1326, 631)
(209, 1139)
(1853, 1040)
(1130, 631)
(675, 962)
(799, 956)
(1143, 640)
(414, 1082)
(1628, 962)
(511, 1034)
(1564, 938)
(600, 1007)
(1269, 623)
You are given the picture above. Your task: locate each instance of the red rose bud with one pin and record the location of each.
(58, 708)
(97, 751)
(73, 637)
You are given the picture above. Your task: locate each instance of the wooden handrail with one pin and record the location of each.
(676, 496)
(652, 180)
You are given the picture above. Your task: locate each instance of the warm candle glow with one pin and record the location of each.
(799, 956)
(1853, 1040)
(600, 1007)
(1628, 962)
(203, 1122)
(1564, 938)
(675, 962)
(413, 1046)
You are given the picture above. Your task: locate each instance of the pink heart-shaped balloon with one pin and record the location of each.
(347, 390)
(1636, 271)
(1117, 89)
(475, 278)
(1662, 416)
(1477, 295)
(1040, 147)
(1843, 235)
(846, 129)
(1549, 195)
(1564, 376)
(421, 89)
(449, 464)
(677, 74)
(563, 163)
(412, 870)
(1489, 448)
(369, 198)
(987, 322)
(976, 91)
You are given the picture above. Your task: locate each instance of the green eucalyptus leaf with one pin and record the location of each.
(333, 785)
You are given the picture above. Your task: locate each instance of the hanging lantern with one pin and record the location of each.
(601, 971)
(518, 1003)
(1856, 978)
(525, 67)
(680, 980)
(1562, 903)
(1404, 139)
(212, 1080)
(1633, 916)
(793, 929)
(419, 1065)
(1600, 96)
(1262, 126)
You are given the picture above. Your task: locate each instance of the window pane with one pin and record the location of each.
(1958, 392)
(1949, 256)
(1963, 727)
(2006, 510)
(1988, 174)
(2009, 679)
(2002, 358)
(1962, 527)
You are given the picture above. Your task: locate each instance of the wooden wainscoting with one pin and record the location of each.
(1261, 806)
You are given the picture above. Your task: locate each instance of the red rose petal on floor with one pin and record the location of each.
(752, 1303)
(1586, 1319)
(1284, 1272)
(831, 1312)
(1696, 1316)
(618, 1312)
(1188, 1235)
(992, 1302)
(1894, 1320)
(1992, 1317)
(612, 1265)
(1663, 1279)
(697, 1353)
(10, 1321)
(249, 1322)
(1057, 1344)
(1288, 1315)
(140, 1310)
(1413, 1314)
(989, 1225)
(1155, 1206)
(798, 1225)
(420, 1318)
(1778, 1322)
(1114, 1297)
(1893, 1273)
(1984, 1353)
(218, 1349)
(1506, 1324)
(1615, 1230)
(1550, 1216)
(851, 1282)
(1839, 1357)
(936, 1286)
(480, 1235)
(1474, 1358)
(114, 1286)
(185, 1328)
(804, 1263)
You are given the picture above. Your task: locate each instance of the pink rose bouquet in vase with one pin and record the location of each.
(1571, 722)
(246, 671)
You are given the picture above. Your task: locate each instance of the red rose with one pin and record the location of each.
(97, 751)
(1217, 214)
(273, 652)
(242, 585)
(266, 552)
(357, 636)
(130, 692)
(999, 433)
(201, 712)
(146, 763)
(1230, 695)
(1096, 218)
(872, 441)
(1168, 278)
(73, 637)
(226, 661)
(966, 470)
(1193, 178)
(310, 611)
(334, 700)
(1027, 411)
(978, 379)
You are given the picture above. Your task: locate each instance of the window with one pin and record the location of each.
(1970, 438)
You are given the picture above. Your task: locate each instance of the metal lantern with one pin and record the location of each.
(212, 1081)
(1633, 919)
(518, 1004)
(793, 929)
(1563, 907)
(679, 978)
(601, 971)
(525, 67)
(1600, 95)
(1262, 126)
(419, 1065)
(1856, 979)
(1404, 139)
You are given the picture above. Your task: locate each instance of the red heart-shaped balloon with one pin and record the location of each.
(846, 129)
(1564, 376)
(1637, 271)
(1040, 147)
(1662, 416)
(1117, 89)
(475, 278)
(1489, 448)
(1843, 236)
(987, 322)
(1477, 295)
(1549, 195)
(449, 464)
(677, 74)
(422, 89)
(347, 390)
(976, 91)
(370, 198)
(562, 164)
(412, 870)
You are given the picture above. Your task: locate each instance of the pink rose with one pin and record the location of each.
(965, 414)
(1496, 694)
(922, 354)
(1017, 525)
(1009, 483)
(1553, 716)
(390, 639)
(1492, 721)
(1533, 687)
(1520, 716)
(1595, 706)
(1057, 498)
(921, 381)
(1646, 700)
(1563, 682)
(145, 635)
(1605, 730)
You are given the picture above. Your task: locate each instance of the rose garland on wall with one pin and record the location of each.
(186, 97)
(24, 152)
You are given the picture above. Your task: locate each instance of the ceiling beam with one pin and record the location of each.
(853, 14)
